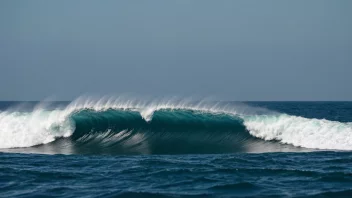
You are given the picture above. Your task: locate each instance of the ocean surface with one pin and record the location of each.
(120, 147)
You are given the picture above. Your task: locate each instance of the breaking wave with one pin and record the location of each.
(117, 126)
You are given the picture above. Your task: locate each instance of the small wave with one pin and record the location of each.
(236, 186)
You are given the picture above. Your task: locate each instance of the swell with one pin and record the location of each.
(130, 127)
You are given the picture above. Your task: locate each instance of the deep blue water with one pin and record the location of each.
(178, 152)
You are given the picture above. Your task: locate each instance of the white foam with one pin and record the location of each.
(34, 128)
(303, 132)
(147, 114)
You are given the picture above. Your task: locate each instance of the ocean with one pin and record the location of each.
(121, 147)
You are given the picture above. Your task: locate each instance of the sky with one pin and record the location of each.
(230, 50)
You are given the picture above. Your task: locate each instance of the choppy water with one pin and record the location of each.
(129, 148)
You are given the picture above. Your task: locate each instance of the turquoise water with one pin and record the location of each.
(207, 149)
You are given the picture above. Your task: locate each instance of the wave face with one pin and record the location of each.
(168, 132)
(116, 126)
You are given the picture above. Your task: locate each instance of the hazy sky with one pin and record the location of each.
(231, 50)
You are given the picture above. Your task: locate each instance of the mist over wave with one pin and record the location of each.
(131, 126)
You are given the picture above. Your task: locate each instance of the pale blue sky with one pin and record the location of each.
(231, 50)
